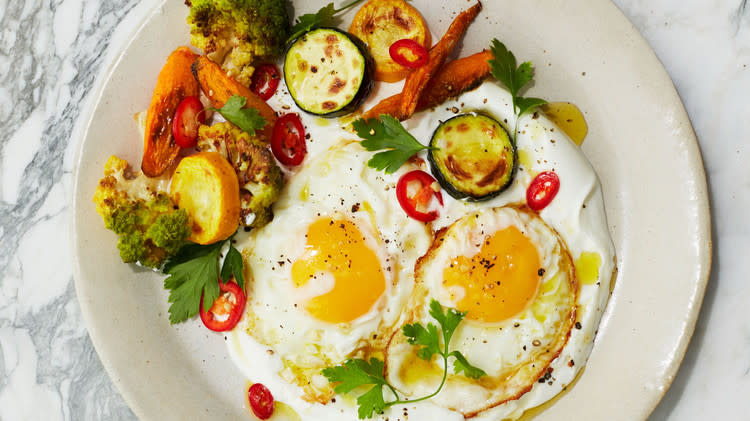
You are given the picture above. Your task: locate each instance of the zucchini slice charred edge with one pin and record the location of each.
(328, 72)
(472, 156)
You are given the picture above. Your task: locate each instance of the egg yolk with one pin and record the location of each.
(497, 282)
(338, 248)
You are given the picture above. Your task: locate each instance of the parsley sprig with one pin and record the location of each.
(326, 16)
(247, 119)
(194, 272)
(387, 133)
(503, 68)
(358, 372)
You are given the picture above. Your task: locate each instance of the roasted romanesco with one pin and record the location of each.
(135, 207)
(238, 33)
(260, 178)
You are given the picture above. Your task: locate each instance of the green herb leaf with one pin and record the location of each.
(247, 119)
(354, 373)
(387, 133)
(309, 21)
(428, 338)
(193, 272)
(503, 68)
(448, 320)
(233, 266)
(462, 365)
(357, 372)
(324, 17)
(526, 104)
(371, 402)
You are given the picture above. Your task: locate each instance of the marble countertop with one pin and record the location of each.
(51, 53)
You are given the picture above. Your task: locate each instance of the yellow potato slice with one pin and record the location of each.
(380, 23)
(206, 186)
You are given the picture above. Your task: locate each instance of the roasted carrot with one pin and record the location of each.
(390, 105)
(417, 80)
(175, 82)
(219, 87)
(452, 79)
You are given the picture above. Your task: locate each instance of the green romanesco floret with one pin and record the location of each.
(259, 176)
(238, 33)
(168, 231)
(149, 226)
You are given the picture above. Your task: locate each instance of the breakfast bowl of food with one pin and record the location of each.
(389, 210)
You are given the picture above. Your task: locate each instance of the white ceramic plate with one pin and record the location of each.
(640, 142)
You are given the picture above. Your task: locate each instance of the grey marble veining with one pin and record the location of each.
(51, 53)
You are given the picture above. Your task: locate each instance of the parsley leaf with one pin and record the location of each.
(461, 364)
(416, 334)
(358, 372)
(526, 104)
(354, 373)
(233, 266)
(448, 320)
(247, 119)
(371, 402)
(324, 17)
(387, 132)
(503, 68)
(194, 272)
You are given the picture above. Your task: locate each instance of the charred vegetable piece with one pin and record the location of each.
(417, 80)
(380, 23)
(175, 83)
(328, 72)
(260, 179)
(454, 78)
(220, 88)
(134, 206)
(238, 33)
(472, 156)
(206, 187)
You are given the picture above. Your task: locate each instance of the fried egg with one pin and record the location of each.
(512, 276)
(332, 270)
(531, 334)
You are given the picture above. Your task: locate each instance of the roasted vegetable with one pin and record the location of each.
(260, 179)
(238, 33)
(454, 78)
(175, 82)
(379, 24)
(417, 80)
(206, 187)
(145, 219)
(219, 87)
(328, 72)
(472, 156)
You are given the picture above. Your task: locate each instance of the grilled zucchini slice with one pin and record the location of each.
(328, 72)
(472, 156)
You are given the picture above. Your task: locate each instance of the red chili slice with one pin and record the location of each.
(187, 118)
(288, 140)
(226, 310)
(414, 191)
(409, 53)
(265, 80)
(261, 401)
(542, 190)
